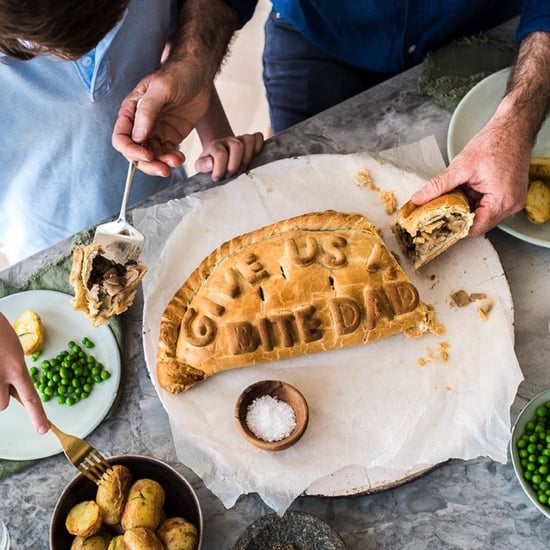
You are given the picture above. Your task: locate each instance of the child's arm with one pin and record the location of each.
(224, 154)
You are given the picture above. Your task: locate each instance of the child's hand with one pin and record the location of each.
(228, 156)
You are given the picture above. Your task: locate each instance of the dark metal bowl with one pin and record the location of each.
(181, 499)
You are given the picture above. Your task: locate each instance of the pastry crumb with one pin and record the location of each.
(460, 298)
(484, 309)
(363, 179)
(390, 202)
(442, 355)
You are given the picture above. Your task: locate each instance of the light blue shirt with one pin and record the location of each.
(58, 170)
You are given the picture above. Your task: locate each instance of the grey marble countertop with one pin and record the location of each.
(475, 504)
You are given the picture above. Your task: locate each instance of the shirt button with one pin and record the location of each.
(412, 48)
(86, 61)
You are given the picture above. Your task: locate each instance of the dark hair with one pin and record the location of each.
(67, 28)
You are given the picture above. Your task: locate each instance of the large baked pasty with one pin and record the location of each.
(103, 288)
(424, 232)
(316, 282)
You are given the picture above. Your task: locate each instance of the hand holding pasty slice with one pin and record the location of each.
(317, 282)
(103, 288)
(424, 232)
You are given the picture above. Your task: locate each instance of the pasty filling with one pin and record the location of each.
(432, 235)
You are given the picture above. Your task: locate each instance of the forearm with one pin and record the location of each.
(204, 34)
(527, 99)
(214, 124)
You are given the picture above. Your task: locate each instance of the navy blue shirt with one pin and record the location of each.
(390, 35)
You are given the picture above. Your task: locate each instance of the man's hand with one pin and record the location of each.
(492, 170)
(167, 104)
(493, 167)
(157, 115)
(13, 371)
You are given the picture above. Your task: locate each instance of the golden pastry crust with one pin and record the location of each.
(424, 232)
(102, 287)
(316, 282)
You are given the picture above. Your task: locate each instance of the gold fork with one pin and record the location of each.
(81, 454)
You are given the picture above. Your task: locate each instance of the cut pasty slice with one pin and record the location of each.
(103, 288)
(424, 232)
(317, 282)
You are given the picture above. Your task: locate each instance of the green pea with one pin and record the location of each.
(87, 342)
(71, 375)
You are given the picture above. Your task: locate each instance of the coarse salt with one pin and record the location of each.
(270, 419)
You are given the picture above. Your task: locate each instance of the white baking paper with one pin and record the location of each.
(383, 410)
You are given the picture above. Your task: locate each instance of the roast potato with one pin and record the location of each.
(539, 167)
(29, 329)
(143, 506)
(141, 538)
(177, 534)
(117, 543)
(95, 542)
(112, 493)
(84, 519)
(537, 207)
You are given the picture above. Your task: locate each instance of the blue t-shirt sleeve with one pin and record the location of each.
(244, 7)
(535, 16)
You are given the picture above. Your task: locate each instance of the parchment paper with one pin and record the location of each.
(374, 406)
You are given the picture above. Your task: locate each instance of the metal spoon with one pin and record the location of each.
(119, 239)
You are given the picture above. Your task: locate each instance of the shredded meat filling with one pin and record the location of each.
(433, 234)
(109, 281)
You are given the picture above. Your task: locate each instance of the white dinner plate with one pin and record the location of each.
(18, 440)
(471, 114)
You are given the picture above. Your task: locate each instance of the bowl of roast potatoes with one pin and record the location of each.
(142, 503)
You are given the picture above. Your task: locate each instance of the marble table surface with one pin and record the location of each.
(475, 504)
